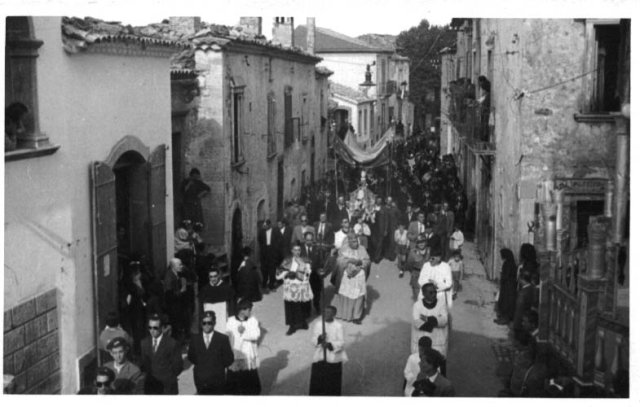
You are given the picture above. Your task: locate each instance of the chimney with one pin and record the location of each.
(283, 31)
(311, 35)
(251, 25)
(185, 25)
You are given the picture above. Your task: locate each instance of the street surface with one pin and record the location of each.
(378, 349)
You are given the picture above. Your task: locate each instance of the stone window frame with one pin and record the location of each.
(272, 147)
(591, 112)
(21, 53)
(237, 120)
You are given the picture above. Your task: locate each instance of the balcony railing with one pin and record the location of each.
(563, 320)
(612, 354)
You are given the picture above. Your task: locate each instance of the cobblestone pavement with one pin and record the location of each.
(379, 347)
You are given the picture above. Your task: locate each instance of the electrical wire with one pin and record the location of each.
(561, 82)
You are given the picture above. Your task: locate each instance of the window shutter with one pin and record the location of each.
(105, 241)
(157, 210)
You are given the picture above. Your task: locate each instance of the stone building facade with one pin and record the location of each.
(257, 130)
(378, 73)
(546, 117)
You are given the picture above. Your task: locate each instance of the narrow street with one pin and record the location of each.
(378, 349)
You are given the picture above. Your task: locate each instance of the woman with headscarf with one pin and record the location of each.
(352, 269)
(508, 288)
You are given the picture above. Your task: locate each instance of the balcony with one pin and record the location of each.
(470, 118)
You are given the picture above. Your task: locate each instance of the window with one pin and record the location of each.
(360, 129)
(22, 130)
(237, 130)
(365, 120)
(607, 61)
(371, 124)
(271, 125)
(288, 122)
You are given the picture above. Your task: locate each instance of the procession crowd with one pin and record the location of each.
(321, 237)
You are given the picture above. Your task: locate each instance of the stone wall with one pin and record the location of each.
(31, 345)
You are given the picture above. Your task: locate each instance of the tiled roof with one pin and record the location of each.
(348, 92)
(323, 70)
(206, 38)
(330, 41)
(79, 34)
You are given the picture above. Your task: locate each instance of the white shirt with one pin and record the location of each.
(441, 276)
(245, 344)
(411, 371)
(335, 336)
(339, 239)
(207, 338)
(268, 235)
(157, 342)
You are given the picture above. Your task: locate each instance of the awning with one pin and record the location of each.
(376, 156)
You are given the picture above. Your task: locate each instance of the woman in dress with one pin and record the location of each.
(508, 288)
(243, 330)
(352, 268)
(295, 272)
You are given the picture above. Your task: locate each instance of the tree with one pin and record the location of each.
(422, 45)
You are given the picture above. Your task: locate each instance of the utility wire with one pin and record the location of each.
(562, 82)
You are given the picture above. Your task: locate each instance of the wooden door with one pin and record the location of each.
(105, 241)
(157, 210)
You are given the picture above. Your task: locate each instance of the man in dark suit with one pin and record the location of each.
(314, 255)
(270, 242)
(285, 242)
(394, 216)
(324, 230)
(161, 359)
(337, 212)
(211, 355)
(380, 230)
(430, 382)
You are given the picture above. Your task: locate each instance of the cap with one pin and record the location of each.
(117, 342)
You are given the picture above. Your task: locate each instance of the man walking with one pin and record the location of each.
(313, 255)
(326, 372)
(128, 377)
(161, 359)
(269, 240)
(211, 355)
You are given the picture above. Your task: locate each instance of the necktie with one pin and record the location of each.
(309, 250)
(207, 341)
(155, 345)
(321, 230)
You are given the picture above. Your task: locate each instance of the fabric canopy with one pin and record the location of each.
(376, 156)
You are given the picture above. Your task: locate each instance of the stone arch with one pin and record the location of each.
(126, 144)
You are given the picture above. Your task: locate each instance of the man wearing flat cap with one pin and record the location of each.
(128, 377)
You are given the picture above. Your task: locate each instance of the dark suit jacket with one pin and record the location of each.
(444, 388)
(270, 255)
(161, 367)
(210, 364)
(315, 258)
(327, 238)
(285, 242)
(249, 281)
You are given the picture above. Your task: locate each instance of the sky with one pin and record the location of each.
(350, 17)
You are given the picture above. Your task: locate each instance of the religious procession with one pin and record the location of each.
(438, 213)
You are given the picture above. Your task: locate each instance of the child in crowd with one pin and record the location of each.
(457, 270)
(457, 239)
(402, 246)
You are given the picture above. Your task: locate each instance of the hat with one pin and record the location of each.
(117, 342)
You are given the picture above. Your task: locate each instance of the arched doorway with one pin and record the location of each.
(132, 214)
(236, 244)
(132, 220)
